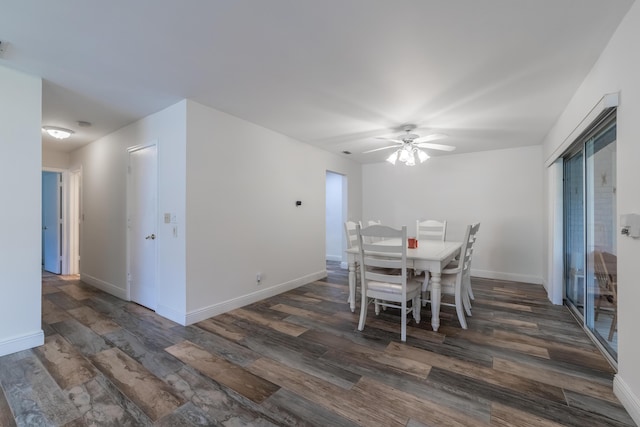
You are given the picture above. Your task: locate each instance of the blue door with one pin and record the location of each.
(51, 222)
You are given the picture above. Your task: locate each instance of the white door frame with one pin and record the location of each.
(64, 201)
(75, 220)
(129, 195)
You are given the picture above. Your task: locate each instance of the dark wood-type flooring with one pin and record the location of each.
(297, 359)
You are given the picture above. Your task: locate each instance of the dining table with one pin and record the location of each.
(430, 255)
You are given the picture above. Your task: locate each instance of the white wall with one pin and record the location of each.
(242, 184)
(335, 222)
(55, 159)
(617, 70)
(501, 189)
(104, 189)
(235, 218)
(20, 164)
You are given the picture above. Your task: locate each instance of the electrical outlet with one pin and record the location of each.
(167, 218)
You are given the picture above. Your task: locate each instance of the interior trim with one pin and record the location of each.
(224, 306)
(599, 111)
(24, 342)
(629, 400)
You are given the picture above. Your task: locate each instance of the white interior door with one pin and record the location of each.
(51, 222)
(143, 225)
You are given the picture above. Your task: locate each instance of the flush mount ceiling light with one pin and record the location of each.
(58, 133)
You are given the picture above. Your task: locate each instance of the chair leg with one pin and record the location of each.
(460, 311)
(467, 303)
(470, 291)
(403, 322)
(598, 307)
(416, 308)
(363, 311)
(424, 290)
(614, 324)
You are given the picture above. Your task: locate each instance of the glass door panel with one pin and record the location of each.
(601, 216)
(574, 231)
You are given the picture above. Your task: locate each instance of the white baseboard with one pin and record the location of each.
(222, 307)
(333, 257)
(628, 399)
(20, 343)
(524, 278)
(105, 286)
(171, 314)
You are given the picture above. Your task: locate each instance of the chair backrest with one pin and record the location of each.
(351, 233)
(374, 265)
(369, 224)
(431, 230)
(473, 236)
(601, 272)
(466, 252)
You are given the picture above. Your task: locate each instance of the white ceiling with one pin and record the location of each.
(490, 74)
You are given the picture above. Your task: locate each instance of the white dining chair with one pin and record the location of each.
(369, 224)
(431, 229)
(607, 287)
(384, 276)
(351, 234)
(468, 297)
(453, 278)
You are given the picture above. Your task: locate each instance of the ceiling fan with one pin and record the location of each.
(408, 146)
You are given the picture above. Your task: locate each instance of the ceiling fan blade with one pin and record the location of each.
(390, 139)
(431, 137)
(378, 149)
(436, 146)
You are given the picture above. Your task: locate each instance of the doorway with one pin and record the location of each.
(142, 225)
(336, 214)
(61, 220)
(52, 222)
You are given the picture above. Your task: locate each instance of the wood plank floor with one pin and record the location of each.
(297, 359)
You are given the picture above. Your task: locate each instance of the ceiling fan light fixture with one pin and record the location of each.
(422, 156)
(57, 132)
(404, 155)
(392, 158)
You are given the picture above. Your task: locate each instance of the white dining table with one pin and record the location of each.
(430, 255)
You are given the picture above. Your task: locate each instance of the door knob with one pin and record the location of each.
(151, 236)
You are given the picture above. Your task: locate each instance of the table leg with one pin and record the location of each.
(352, 286)
(435, 300)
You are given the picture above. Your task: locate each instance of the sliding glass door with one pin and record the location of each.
(574, 259)
(590, 233)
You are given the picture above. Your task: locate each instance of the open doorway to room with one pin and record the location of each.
(336, 213)
(61, 219)
(52, 222)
